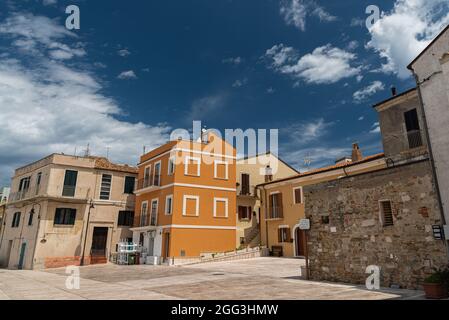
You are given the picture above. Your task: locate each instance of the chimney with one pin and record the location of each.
(356, 153)
(393, 91)
(268, 174)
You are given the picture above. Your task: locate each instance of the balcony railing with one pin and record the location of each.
(149, 182)
(68, 191)
(146, 220)
(275, 213)
(246, 190)
(414, 139)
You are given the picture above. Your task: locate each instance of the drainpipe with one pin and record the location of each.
(37, 234)
(432, 160)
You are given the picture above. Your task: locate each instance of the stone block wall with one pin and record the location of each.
(347, 234)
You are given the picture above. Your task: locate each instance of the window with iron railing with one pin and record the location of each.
(276, 209)
(70, 183)
(143, 214)
(413, 130)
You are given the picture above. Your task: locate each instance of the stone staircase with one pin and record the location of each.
(253, 238)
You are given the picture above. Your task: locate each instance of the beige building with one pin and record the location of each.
(252, 171)
(67, 210)
(282, 202)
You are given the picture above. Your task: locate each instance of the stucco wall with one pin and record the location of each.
(433, 72)
(355, 238)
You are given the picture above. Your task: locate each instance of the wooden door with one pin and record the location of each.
(300, 242)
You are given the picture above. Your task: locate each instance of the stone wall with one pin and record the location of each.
(347, 235)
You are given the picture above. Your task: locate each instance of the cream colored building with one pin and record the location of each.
(67, 210)
(252, 171)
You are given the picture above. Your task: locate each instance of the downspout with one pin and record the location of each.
(37, 234)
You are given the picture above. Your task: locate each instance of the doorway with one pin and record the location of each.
(98, 249)
(22, 255)
(8, 254)
(166, 245)
(300, 242)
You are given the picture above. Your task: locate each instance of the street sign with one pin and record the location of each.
(304, 224)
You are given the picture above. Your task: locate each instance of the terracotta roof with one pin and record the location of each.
(329, 168)
(103, 163)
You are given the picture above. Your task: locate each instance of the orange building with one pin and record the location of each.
(186, 199)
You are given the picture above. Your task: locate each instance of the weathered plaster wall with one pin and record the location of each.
(354, 238)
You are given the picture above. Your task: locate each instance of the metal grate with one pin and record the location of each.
(387, 213)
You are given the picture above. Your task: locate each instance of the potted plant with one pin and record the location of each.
(436, 285)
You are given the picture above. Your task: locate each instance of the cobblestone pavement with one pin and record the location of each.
(259, 278)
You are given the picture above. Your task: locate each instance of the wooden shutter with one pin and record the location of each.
(249, 212)
(280, 205)
(298, 195)
(245, 183)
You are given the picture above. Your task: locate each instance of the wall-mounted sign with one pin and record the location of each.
(304, 224)
(438, 233)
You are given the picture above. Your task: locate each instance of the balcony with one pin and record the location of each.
(146, 220)
(149, 182)
(414, 139)
(246, 191)
(275, 213)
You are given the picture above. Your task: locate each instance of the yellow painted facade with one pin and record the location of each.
(279, 227)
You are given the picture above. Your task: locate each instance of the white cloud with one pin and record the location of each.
(295, 12)
(240, 83)
(361, 118)
(401, 34)
(305, 132)
(49, 2)
(233, 60)
(324, 65)
(271, 90)
(126, 75)
(375, 128)
(357, 22)
(362, 94)
(123, 52)
(206, 107)
(47, 106)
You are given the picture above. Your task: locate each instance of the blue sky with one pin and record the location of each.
(138, 69)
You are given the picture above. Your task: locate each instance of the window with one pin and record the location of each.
(192, 166)
(125, 218)
(30, 218)
(297, 195)
(275, 206)
(220, 169)
(169, 205)
(144, 214)
(69, 183)
(24, 184)
(245, 190)
(38, 182)
(413, 130)
(129, 185)
(386, 212)
(154, 210)
(190, 206)
(147, 177)
(16, 220)
(284, 234)
(220, 207)
(171, 166)
(157, 174)
(65, 216)
(105, 190)
(244, 213)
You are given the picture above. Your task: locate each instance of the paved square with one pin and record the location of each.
(253, 279)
